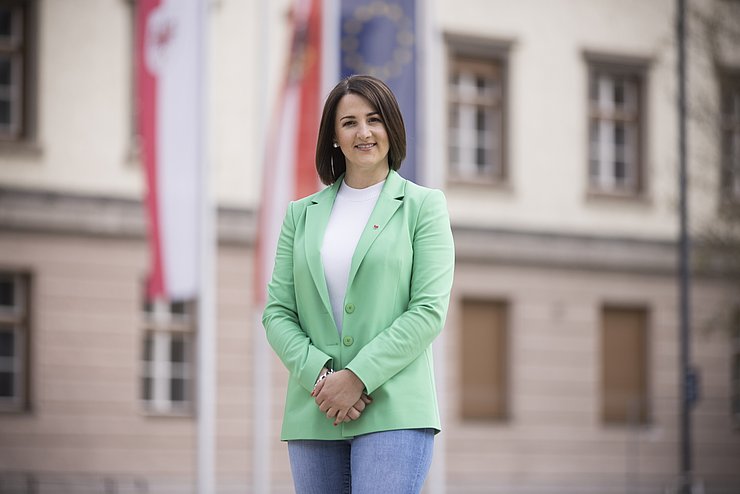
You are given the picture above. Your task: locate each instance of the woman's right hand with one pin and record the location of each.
(354, 412)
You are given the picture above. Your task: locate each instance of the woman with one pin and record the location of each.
(359, 291)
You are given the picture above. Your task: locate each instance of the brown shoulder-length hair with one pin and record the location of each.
(330, 163)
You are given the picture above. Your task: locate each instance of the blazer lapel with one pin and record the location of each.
(317, 217)
(390, 199)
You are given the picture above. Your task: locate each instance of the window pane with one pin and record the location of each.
(480, 83)
(5, 112)
(480, 159)
(178, 308)
(146, 389)
(480, 119)
(6, 68)
(7, 344)
(620, 171)
(7, 384)
(148, 347)
(619, 92)
(6, 22)
(177, 389)
(618, 134)
(7, 292)
(177, 349)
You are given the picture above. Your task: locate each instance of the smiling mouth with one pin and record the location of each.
(364, 146)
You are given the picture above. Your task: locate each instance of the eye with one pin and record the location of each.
(375, 120)
(348, 123)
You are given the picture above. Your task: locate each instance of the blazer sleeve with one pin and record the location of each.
(412, 332)
(280, 317)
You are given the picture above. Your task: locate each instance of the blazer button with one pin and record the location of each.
(348, 340)
(349, 308)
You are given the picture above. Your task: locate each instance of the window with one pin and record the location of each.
(14, 337)
(624, 398)
(476, 111)
(730, 124)
(167, 357)
(484, 380)
(616, 104)
(15, 69)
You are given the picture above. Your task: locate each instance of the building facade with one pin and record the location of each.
(556, 146)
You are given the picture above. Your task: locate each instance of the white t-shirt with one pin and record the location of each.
(348, 219)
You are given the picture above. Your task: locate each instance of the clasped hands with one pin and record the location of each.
(340, 396)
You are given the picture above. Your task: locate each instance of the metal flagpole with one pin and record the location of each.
(261, 376)
(684, 256)
(206, 335)
(430, 109)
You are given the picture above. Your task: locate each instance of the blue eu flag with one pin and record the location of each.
(378, 38)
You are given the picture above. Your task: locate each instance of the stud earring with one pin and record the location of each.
(336, 145)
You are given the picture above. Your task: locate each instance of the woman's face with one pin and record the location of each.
(361, 135)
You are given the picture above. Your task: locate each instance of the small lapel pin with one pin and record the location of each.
(375, 227)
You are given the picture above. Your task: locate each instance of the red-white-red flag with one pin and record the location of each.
(169, 87)
(289, 170)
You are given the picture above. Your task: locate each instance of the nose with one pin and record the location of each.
(363, 131)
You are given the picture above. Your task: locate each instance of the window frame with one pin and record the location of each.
(23, 130)
(622, 67)
(729, 199)
(19, 319)
(469, 50)
(161, 323)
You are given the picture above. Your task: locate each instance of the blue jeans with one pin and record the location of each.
(388, 462)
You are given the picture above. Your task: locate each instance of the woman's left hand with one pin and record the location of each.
(338, 393)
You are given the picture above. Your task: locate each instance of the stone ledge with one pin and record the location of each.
(42, 211)
(570, 251)
(64, 213)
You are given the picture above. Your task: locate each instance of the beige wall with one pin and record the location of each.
(86, 417)
(87, 423)
(555, 439)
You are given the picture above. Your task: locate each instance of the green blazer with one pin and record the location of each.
(395, 305)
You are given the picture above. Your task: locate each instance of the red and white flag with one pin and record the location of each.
(289, 169)
(170, 76)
